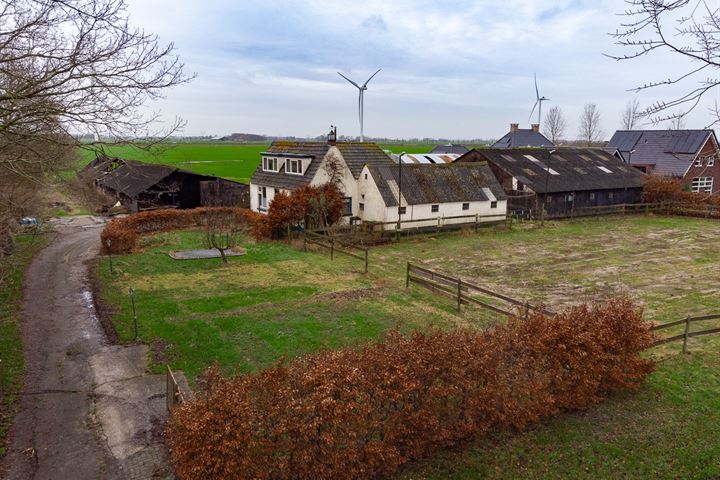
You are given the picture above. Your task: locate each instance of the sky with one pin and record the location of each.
(456, 69)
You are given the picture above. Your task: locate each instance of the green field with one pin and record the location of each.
(235, 161)
(11, 344)
(280, 302)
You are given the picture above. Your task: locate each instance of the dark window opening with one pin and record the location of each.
(493, 204)
(466, 206)
(435, 208)
(348, 206)
(361, 206)
(403, 210)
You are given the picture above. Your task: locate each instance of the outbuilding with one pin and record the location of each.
(430, 195)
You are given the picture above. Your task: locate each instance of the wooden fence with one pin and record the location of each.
(460, 291)
(687, 333)
(333, 244)
(173, 395)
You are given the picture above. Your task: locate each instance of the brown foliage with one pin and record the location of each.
(365, 413)
(659, 189)
(307, 207)
(123, 232)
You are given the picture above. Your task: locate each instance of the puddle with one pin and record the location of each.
(86, 297)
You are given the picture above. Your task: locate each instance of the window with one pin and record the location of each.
(611, 195)
(294, 166)
(493, 204)
(569, 197)
(466, 206)
(605, 169)
(435, 208)
(711, 162)
(348, 206)
(361, 206)
(366, 176)
(702, 184)
(262, 199)
(699, 162)
(402, 210)
(270, 164)
(592, 196)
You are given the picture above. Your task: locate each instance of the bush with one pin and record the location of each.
(124, 232)
(307, 207)
(365, 413)
(666, 189)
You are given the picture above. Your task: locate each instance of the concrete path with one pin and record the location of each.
(88, 410)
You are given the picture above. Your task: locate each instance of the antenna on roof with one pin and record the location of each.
(361, 98)
(538, 103)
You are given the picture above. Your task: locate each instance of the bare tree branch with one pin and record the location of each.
(554, 124)
(590, 131)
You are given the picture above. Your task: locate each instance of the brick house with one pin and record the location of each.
(691, 155)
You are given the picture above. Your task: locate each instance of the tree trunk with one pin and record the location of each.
(222, 255)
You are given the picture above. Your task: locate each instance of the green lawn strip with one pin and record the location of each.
(668, 430)
(11, 342)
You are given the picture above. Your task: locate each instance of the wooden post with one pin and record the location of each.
(459, 294)
(477, 221)
(366, 260)
(304, 241)
(438, 225)
(332, 248)
(687, 331)
(407, 276)
(527, 310)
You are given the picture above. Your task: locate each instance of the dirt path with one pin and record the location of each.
(87, 408)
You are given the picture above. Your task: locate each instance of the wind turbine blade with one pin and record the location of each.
(371, 77)
(533, 110)
(537, 92)
(346, 78)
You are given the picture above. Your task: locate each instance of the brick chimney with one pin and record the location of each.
(535, 127)
(514, 127)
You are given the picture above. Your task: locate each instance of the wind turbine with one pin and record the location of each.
(361, 98)
(538, 103)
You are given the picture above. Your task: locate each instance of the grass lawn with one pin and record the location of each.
(12, 269)
(277, 301)
(235, 161)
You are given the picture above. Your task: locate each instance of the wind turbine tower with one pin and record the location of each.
(361, 99)
(538, 103)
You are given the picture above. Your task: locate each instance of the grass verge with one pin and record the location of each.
(11, 342)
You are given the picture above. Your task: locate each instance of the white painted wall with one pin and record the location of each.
(255, 200)
(376, 211)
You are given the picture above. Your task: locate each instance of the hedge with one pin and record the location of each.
(123, 232)
(365, 413)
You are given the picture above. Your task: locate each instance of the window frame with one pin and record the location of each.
(702, 184)
(266, 163)
(466, 206)
(347, 211)
(435, 208)
(296, 161)
(493, 203)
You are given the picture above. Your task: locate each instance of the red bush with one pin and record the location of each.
(306, 207)
(365, 413)
(124, 232)
(659, 189)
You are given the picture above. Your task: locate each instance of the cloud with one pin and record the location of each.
(460, 68)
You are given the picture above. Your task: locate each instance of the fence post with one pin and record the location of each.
(477, 221)
(459, 294)
(304, 241)
(687, 331)
(407, 276)
(438, 225)
(289, 234)
(332, 249)
(132, 300)
(527, 310)
(366, 260)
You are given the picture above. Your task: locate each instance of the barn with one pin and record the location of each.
(560, 179)
(142, 186)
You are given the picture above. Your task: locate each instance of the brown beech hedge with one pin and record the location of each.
(123, 232)
(364, 413)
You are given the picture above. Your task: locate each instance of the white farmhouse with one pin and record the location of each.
(287, 165)
(430, 194)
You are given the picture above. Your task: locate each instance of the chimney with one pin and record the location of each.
(514, 127)
(332, 136)
(535, 127)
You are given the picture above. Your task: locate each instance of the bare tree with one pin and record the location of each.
(554, 124)
(676, 123)
(223, 231)
(70, 67)
(690, 31)
(631, 114)
(590, 130)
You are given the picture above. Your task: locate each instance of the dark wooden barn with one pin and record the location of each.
(143, 186)
(560, 179)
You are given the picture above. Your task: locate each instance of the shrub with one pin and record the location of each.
(124, 232)
(365, 413)
(659, 189)
(306, 207)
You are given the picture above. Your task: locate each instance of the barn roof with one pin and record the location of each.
(133, 177)
(670, 151)
(450, 148)
(521, 138)
(355, 155)
(568, 170)
(423, 183)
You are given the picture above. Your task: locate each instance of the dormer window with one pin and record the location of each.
(270, 164)
(294, 166)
